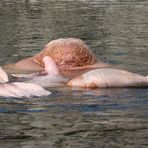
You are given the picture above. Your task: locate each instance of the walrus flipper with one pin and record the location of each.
(3, 76)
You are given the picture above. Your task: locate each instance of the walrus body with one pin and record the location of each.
(74, 60)
(107, 77)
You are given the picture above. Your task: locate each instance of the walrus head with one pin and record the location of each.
(71, 55)
(69, 52)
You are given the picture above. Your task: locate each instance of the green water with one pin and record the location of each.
(117, 32)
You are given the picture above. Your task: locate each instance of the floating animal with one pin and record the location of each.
(73, 59)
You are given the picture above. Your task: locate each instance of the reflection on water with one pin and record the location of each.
(117, 32)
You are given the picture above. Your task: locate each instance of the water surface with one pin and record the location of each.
(117, 32)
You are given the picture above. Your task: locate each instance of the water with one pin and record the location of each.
(117, 32)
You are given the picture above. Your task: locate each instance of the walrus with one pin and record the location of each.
(72, 56)
(76, 61)
(98, 78)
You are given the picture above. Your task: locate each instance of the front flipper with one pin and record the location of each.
(3, 76)
(108, 77)
(51, 76)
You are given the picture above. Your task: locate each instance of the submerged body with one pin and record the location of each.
(107, 77)
(32, 86)
(48, 81)
(21, 90)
